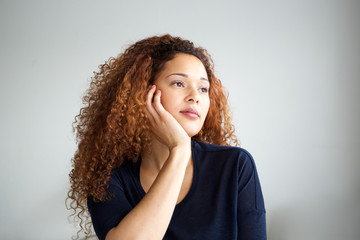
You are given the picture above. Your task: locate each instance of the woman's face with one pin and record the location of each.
(184, 89)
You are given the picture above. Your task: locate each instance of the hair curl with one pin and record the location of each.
(112, 125)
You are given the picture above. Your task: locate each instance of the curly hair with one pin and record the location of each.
(112, 125)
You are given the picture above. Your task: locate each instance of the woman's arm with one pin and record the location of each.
(251, 208)
(152, 215)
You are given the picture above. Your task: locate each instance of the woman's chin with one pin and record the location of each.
(192, 132)
(191, 128)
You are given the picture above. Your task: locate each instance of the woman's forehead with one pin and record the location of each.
(185, 65)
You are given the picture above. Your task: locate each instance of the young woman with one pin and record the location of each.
(154, 159)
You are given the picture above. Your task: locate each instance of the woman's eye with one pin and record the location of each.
(178, 84)
(204, 90)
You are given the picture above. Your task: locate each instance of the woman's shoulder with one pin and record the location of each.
(123, 173)
(220, 149)
(219, 155)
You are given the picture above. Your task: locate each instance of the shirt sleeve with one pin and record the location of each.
(251, 209)
(107, 214)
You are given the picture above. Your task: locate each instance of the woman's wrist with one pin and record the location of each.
(181, 147)
(180, 156)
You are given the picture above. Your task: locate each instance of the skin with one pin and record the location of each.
(183, 84)
(166, 171)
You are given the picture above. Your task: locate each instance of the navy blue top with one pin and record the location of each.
(224, 201)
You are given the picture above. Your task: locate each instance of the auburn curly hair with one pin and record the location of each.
(112, 125)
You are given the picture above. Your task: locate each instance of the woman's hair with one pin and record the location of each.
(113, 127)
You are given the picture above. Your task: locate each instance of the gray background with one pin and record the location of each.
(291, 67)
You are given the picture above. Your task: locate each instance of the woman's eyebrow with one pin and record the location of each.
(185, 75)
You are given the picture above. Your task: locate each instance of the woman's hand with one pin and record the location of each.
(164, 126)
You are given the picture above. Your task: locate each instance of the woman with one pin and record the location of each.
(154, 159)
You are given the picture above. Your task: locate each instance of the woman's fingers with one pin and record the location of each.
(157, 103)
(150, 95)
(152, 114)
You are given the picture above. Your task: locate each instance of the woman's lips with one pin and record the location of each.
(191, 113)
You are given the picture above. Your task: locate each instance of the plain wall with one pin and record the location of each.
(292, 69)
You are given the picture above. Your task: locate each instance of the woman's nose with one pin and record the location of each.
(193, 96)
